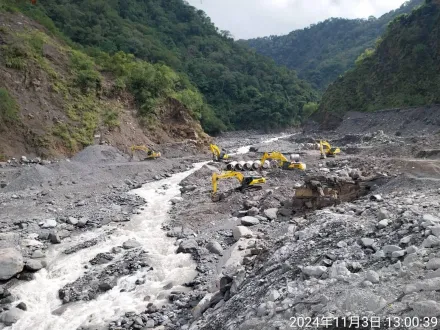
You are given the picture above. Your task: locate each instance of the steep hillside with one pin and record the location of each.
(323, 51)
(244, 89)
(55, 100)
(404, 69)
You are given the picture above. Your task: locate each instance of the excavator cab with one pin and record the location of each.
(150, 154)
(247, 183)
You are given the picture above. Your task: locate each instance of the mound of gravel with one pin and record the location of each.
(33, 176)
(99, 154)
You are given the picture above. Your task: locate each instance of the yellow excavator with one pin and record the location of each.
(283, 162)
(327, 150)
(247, 183)
(150, 154)
(218, 154)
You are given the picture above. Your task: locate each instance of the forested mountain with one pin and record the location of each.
(323, 51)
(242, 89)
(403, 70)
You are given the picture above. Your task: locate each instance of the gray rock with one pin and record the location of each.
(82, 222)
(11, 316)
(249, 221)
(150, 324)
(202, 306)
(433, 264)
(214, 247)
(72, 220)
(11, 263)
(137, 320)
(430, 242)
(372, 276)
(54, 238)
(430, 217)
(253, 211)
(131, 244)
(367, 242)
(271, 214)
(241, 231)
(433, 274)
(188, 246)
(377, 198)
(435, 230)
(360, 301)
(314, 271)
(341, 244)
(406, 239)
(37, 254)
(339, 270)
(22, 306)
(383, 223)
(383, 214)
(390, 248)
(34, 265)
(49, 223)
(411, 249)
(273, 295)
(427, 308)
(398, 254)
(176, 200)
(432, 284)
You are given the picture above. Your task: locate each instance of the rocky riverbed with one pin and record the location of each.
(108, 249)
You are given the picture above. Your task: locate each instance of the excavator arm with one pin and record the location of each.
(247, 182)
(273, 155)
(284, 163)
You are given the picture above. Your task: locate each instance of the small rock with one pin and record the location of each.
(430, 217)
(49, 223)
(315, 271)
(253, 211)
(435, 230)
(271, 214)
(383, 223)
(411, 249)
(377, 198)
(249, 221)
(82, 222)
(37, 254)
(11, 263)
(390, 248)
(427, 308)
(430, 242)
(383, 214)
(34, 265)
(150, 324)
(72, 221)
(54, 238)
(131, 244)
(341, 244)
(433, 264)
(168, 286)
(241, 231)
(187, 246)
(398, 254)
(367, 242)
(372, 276)
(273, 295)
(405, 240)
(176, 200)
(214, 247)
(22, 306)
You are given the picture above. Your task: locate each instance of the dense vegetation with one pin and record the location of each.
(244, 89)
(403, 70)
(79, 83)
(323, 51)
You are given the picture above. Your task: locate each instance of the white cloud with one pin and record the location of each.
(258, 18)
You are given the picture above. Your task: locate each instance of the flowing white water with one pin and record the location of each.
(245, 149)
(41, 294)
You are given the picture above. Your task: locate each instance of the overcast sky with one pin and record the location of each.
(258, 18)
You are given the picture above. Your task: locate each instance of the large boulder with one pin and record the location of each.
(11, 263)
(249, 221)
(11, 316)
(188, 246)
